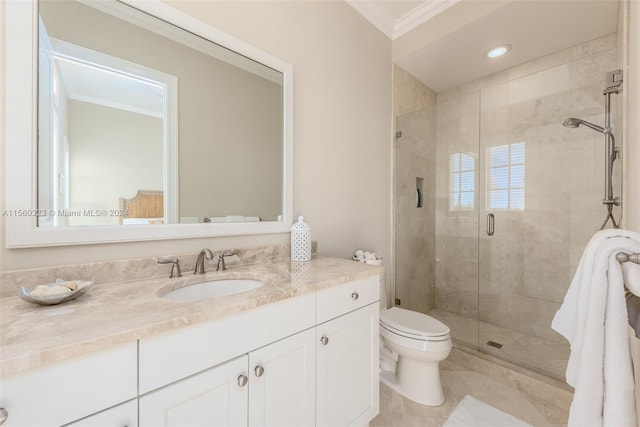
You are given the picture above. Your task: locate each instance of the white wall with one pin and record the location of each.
(112, 154)
(342, 130)
(342, 78)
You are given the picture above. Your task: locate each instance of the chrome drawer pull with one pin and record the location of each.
(258, 371)
(243, 380)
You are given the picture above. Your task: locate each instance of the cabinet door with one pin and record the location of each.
(123, 415)
(282, 382)
(348, 372)
(215, 397)
(66, 391)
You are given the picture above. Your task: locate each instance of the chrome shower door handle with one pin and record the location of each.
(491, 220)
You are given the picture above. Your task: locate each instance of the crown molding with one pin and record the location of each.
(419, 15)
(394, 28)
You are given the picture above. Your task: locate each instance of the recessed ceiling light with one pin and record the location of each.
(498, 51)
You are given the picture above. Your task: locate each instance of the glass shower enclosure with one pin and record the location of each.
(496, 200)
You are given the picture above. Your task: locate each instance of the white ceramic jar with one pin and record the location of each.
(300, 241)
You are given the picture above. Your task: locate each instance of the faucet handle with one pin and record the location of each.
(175, 268)
(221, 264)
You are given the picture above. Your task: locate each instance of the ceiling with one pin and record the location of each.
(112, 88)
(397, 17)
(442, 42)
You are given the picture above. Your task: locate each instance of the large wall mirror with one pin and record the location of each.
(134, 121)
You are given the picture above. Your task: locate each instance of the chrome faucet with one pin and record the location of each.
(221, 265)
(200, 261)
(175, 268)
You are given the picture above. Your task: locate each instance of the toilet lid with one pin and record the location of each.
(408, 322)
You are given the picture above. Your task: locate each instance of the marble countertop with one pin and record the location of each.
(116, 313)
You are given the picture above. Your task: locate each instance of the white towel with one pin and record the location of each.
(593, 318)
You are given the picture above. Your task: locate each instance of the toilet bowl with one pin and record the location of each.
(412, 346)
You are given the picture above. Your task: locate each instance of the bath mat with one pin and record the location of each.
(472, 412)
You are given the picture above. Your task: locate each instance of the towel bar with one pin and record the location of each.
(624, 257)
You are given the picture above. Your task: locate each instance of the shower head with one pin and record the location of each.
(574, 123)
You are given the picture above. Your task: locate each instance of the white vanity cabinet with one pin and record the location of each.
(271, 386)
(215, 397)
(273, 352)
(64, 392)
(348, 386)
(307, 360)
(282, 382)
(123, 415)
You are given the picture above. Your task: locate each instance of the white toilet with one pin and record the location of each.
(411, 348)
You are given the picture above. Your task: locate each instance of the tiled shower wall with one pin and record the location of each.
(524, 269)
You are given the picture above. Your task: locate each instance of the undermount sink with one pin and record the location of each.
(213, 289)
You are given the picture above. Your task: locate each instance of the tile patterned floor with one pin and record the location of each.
(535, 402)
(524, 350)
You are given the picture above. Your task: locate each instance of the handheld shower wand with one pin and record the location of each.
(609, 157)
(573, 123)
(614, 86)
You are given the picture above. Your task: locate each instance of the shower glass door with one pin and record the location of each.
(540, 193)
(457, 213)
(415, 177)
(525, 224)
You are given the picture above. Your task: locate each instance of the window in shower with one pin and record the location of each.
(462, 183)
(506, 176)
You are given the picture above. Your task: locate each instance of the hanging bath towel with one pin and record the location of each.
(593, 318)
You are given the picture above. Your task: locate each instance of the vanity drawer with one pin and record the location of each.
(336, 301)
(63, 392)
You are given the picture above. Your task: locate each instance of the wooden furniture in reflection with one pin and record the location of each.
(145, 204)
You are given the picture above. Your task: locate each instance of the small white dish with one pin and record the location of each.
(55, 293)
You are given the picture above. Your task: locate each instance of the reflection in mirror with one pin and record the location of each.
(129, 105)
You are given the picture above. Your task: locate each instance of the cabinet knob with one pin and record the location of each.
(259, 371)
(243, 380)
(3, 415)
(355, 296)
(324, 340)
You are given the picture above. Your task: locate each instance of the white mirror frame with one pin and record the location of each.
(20, 213)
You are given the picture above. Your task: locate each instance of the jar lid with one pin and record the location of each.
(300, 225)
